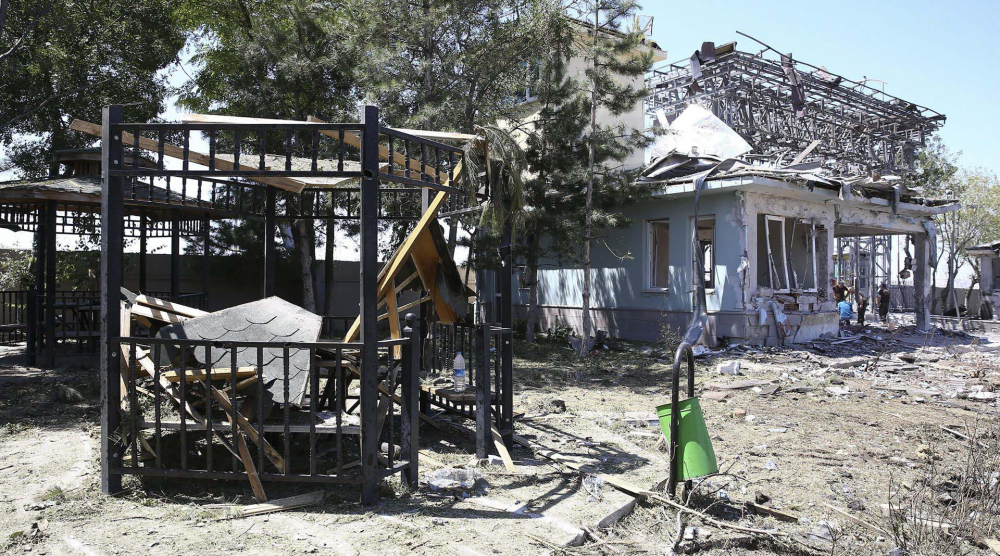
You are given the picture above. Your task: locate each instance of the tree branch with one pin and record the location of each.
(31, 26)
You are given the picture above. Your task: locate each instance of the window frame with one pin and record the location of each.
(784, 252)
(650, 262)
(710, 283)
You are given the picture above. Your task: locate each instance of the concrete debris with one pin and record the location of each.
(730, 368)
(451, 478)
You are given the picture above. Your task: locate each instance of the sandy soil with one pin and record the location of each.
(801, 448)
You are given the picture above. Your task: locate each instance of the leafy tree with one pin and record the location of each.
(615, 56)
(976, 222)
(453, 64)
(936, 168)
(68, 59)
(287, 60)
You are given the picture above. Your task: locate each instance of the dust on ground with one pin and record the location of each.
(848, 421)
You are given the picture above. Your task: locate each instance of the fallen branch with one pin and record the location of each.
(963, 436)
(857, 521)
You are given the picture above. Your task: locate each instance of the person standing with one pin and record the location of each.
(883, 302)
(862, 308)
(839, 291)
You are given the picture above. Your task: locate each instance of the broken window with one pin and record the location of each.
(772, 262)
(801, 253)
(659, 254)
(706, 240)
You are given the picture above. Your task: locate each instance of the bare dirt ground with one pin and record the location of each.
(847, 423)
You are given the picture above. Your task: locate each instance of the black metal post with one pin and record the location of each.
(31, 308)
(34, 323)
(270, 228)
(50, 284)
(143, 269)
(410, 381)
(483, 399)
(112, 236)
(206, 232)
(369, 301)
(175, 255)
(506, 347)
(684, 352)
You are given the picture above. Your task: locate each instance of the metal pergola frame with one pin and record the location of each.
(437, 162)
(31, 207)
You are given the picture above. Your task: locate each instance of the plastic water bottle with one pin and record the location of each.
(459, 367)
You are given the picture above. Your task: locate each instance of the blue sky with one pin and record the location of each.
(937, 54)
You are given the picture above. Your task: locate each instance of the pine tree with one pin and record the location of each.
(615, 56)
(556, 158)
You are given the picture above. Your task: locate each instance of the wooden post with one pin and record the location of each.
(112, 236)
(50, 284)
(175, 255)
(143, 272)
(270, 228)
(410, 383)
(369, 305)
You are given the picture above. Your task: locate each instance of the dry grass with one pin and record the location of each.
(955, 503)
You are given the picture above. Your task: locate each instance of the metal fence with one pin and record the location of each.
(13, 325)
(182, 416)
(489, 396)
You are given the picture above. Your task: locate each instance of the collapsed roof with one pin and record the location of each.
(782, 106)
(729, 114)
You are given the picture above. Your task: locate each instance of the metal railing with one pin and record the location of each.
(13, 317)
(76, 317)
(277, 411)
(488, 353)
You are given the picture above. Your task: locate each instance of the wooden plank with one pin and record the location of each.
(157, 303)
(198, 375)
(406, 306)
(776, 514)
(383, 152)
(350, 137)
(240, 387)
(160, 315)
(857, 520)
(173, 151)
(508, 463)
(282, 504)
(251, 432)
(401, 286)
(393, 315)
(251, 469)
(438, 135)
(400, 256)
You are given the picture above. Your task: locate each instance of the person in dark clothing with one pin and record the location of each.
(839, 291)
(883, 302)
(862, 308)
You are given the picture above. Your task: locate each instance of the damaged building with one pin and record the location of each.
(773, 165)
